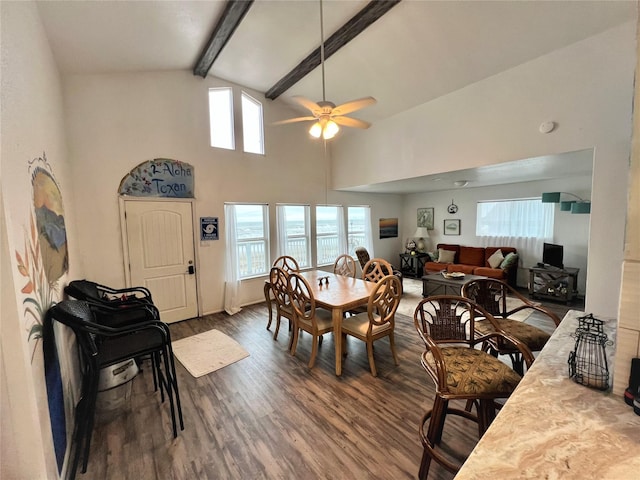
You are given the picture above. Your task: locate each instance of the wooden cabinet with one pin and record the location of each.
(413, 265)
(552, 283)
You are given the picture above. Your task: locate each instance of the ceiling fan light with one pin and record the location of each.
(330, 130)
(316, 130)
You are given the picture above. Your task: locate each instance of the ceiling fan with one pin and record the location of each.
(326, 114)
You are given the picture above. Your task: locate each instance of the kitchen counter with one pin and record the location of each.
(552, 427)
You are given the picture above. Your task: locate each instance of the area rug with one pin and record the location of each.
(207, 352)
(413, 294)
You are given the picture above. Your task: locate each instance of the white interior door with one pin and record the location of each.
(161, 255)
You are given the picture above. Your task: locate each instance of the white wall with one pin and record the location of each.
(586, 88)
(32, 123)
(118, 121)
(571, 231)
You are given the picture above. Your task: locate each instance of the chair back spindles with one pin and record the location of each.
(345, 265)
(376, 269)
(287, 263)
(302, 299)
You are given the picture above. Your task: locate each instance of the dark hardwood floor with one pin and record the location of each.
(269, 417)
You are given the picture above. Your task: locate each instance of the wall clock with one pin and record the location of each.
(453, 208)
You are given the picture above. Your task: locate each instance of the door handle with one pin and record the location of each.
(191, 270)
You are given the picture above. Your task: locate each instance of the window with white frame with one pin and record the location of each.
(358, 228)
(252, 240)
(252, 125)
(294, 237)
(330, 237)
(523, 218)
(221, 118)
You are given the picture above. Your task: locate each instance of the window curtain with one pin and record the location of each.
(524, 225)
(368, 232)
(232, 283)
(281, 220)
(343, 246)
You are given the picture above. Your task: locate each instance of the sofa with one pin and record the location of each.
(475, 261)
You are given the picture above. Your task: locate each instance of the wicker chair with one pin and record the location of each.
(491, 295)
(460, 372)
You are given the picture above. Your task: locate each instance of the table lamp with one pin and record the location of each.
(421, 234)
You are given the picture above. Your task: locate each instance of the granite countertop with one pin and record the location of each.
(554, 428)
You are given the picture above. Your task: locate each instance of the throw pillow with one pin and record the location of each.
(433, 256)
(509, 260)
(496, 259)
(446, 256)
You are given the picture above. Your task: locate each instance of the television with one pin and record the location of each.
(552, 255)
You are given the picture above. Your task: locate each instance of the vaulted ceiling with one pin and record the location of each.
(416, 52)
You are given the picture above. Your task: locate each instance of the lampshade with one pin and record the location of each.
(581, 207)
(565, 205)
(421, 232)
(551, 197)
(316, 130)
(327, 132)
(330, 130)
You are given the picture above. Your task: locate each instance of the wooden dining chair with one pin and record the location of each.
(491, 295)
(376, 269)
(345, 265)
(288, 264)
(278, 278)
(379, 319)
(446, 325)
(307, 317)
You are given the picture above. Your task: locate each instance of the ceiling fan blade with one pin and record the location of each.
(293, 120)
(350, 122)
(353, 105)
(306, 103)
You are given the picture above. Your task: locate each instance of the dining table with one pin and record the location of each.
(337, 293)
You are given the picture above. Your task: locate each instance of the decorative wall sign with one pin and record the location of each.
(388, 227)
(453, 208)
(452, 227)
(425, 218)
(160, 177)
(209, 228)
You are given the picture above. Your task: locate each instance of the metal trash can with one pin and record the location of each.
(114, 387)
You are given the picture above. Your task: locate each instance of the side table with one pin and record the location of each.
(413, 265)
(554, 283)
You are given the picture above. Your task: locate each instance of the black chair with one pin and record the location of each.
(118, 307)
(101, 346)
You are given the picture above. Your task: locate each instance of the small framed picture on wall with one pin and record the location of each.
(452, 227)
(388, 227)
(425, 218)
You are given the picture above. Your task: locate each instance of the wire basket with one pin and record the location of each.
(588, 361)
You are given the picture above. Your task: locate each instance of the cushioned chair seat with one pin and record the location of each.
(531, 336)
(323, 318)
(473, 372)
(360, 324)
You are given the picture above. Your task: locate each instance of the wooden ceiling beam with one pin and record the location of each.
(365, 17)
(234, 12)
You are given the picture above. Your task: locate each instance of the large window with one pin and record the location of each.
(293, 233)
(252, 240)
(221, 118)
(252, 128)
(525, 218)
(358, 229)
(330, 238)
